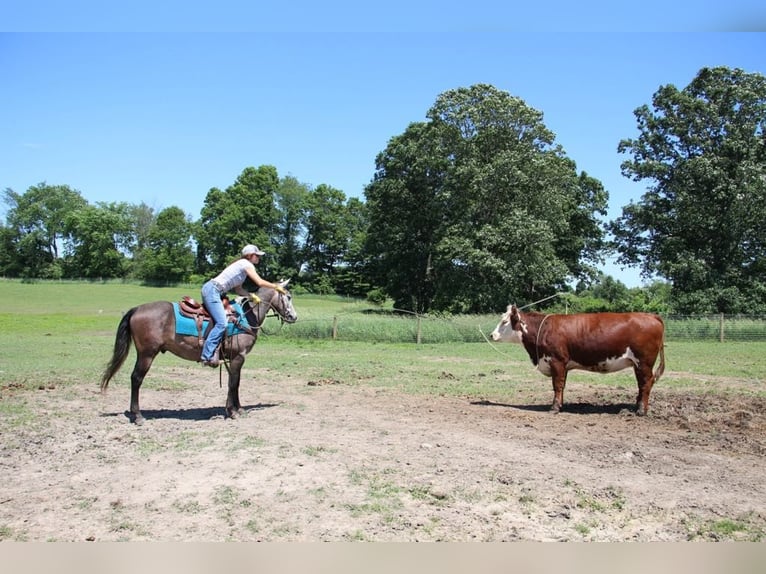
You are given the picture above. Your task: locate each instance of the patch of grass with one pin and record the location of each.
(15, 413)
(6, 533)
(190, 507)
(357, 536)
(745, 528)
(252, 526)
(382, 496)
(317, 450)
(182, 441)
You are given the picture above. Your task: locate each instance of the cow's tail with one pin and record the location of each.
(661, 367)
(122, 343)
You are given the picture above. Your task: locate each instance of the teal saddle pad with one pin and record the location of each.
(187, 326)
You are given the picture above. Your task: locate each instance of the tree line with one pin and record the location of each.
(473, 208)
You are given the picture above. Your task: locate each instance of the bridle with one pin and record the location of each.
(261, 319)
(253, 330)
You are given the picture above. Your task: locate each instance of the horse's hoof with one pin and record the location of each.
(139, 421)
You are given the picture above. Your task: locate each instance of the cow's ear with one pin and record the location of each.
(515, 313)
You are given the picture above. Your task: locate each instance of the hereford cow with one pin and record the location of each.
(598, 342)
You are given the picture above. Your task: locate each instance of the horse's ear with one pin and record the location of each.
(284, 283)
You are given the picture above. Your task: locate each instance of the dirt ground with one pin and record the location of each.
(323, 461)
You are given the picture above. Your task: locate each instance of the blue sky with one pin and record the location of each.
(145, 111)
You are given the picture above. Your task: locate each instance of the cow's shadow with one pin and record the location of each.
(193, 414)
(572, 408)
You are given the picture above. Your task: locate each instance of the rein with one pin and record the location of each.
(250, 330)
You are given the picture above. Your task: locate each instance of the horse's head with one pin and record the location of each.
(282, 304)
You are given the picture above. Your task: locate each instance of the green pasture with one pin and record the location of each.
(57, 333)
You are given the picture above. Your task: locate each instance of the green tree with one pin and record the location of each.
(407, 206)
(701, 223)
(327, 236)
(478, 207)
(143, 218)
(244, 213)
(37, 220)
(351, 277)
(291, 203)
(167, 255)
(98, 236)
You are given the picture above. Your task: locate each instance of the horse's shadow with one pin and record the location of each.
(572, 408)
(194, 414)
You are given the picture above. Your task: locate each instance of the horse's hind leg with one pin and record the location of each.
(143, 363)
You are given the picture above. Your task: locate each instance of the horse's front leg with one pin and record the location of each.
(233, 406)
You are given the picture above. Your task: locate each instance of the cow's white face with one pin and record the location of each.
(510, 328)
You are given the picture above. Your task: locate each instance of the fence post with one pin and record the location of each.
(334, 327)
(418, 335)
(720, 328)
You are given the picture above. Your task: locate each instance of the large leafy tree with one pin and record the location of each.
(167, 254)
(291, 203)
(98, 238)
(243, 213)
(36, 227)
(701, 223)
(328, 231)
(407, 205)
(351, 277)
(478, 207)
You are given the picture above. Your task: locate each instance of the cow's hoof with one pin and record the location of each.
(555, 409)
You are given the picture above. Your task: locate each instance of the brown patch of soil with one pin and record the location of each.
(324, 461)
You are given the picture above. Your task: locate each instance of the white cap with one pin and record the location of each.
(250, 249)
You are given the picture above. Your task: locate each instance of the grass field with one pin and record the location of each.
(62, 333)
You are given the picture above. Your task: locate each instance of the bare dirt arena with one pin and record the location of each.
(322, 461)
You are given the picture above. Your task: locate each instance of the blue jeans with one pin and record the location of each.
(212, 298)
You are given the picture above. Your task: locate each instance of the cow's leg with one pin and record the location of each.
(645, 379)
(143, 363)
(233, 406)
(559, 379)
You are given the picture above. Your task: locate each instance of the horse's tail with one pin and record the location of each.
(121, 349)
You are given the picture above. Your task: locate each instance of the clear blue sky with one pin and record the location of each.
(122, 107)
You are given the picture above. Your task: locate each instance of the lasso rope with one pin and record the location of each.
(538, 330)
(491, 344)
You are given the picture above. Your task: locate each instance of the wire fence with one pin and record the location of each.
(723, 328)
(375, 325)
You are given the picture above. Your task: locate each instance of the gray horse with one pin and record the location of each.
(152, 329)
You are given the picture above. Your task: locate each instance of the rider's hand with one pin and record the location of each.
(280, 289)
(255, 298)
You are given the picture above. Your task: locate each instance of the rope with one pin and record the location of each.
(540, 301)
(537, 338)
(492, 344)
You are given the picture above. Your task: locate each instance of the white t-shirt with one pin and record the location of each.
(234, 275)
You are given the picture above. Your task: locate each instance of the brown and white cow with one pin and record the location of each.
(598, 342)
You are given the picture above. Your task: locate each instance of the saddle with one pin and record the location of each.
(195, 310)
